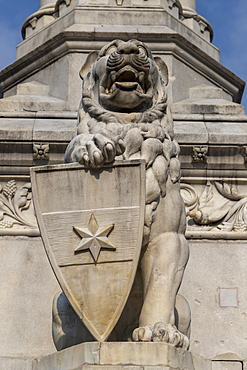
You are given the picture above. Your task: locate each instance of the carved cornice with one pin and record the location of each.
(70, 42)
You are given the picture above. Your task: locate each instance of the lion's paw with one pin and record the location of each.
(169, 334)
(95, 150)
(161, 333)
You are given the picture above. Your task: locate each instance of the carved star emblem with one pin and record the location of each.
(94, 237)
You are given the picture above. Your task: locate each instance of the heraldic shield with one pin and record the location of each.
(91, 223)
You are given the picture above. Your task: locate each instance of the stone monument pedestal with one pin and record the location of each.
(122, 355)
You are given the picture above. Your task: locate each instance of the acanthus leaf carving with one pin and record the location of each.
(16, 209)
(218, 207)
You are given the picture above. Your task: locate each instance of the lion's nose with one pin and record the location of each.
(128, 48)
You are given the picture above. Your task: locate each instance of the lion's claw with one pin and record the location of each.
(109, 153)
(161, 333)
(95, 156)
(99, 150)
(143, 334)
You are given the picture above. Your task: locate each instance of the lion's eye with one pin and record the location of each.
(142, 50)
(111, 50)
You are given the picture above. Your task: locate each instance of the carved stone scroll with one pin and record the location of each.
(215, 207)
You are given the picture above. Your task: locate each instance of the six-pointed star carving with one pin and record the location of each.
(94, 237)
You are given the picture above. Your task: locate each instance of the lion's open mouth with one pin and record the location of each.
(126, 88)
(126, 79)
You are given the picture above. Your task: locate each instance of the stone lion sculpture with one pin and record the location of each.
(124, 115)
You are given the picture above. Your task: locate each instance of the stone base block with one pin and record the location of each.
(15, 363)
(121, 355)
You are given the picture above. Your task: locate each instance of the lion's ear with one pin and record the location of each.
(163, 69)
(91, 58)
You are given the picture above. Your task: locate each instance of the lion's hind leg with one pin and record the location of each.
(163, 266)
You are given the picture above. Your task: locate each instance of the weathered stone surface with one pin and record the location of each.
(146, 354)
(205, 99)
(117, 355)
(201, 363)
(226, 365)
(190, 132)
(223, 262)
(227, 132)
(16, 129)
(228, 297)
(27, 289)
(127, 367)
(86, 353)
(53, 129)
(32, 88)
(15, 363)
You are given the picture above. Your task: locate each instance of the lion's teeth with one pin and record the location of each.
(113, 76)
(109, 83)
(141, 77)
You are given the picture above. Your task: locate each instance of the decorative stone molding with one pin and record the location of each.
(33, 22)
(59, 2)
(171, 3)
(202, 25)
(41, 151)
(16, 210)
(45, 13)
(199, 153)
(215, 208)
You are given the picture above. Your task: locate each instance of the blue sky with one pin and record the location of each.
(228, 18)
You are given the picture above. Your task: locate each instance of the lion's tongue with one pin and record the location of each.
(126, 85)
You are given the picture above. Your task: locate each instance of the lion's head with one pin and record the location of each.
(123, 77)
(126, 75)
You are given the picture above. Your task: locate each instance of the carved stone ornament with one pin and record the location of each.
(16, 210)
(171, 3)
(123, 117)
(219, 207)
(199, 153)
(33, 22)
(245, 153)
(203, 26)
(41, 152)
